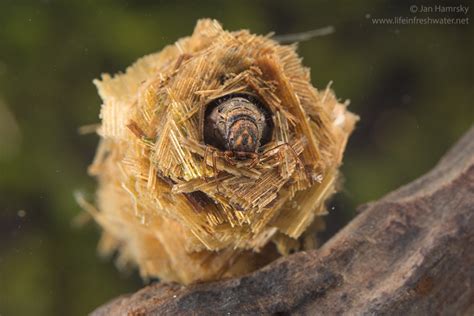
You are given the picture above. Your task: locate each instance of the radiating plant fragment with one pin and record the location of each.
(216, 156)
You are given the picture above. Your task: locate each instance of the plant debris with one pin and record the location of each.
(184, 210)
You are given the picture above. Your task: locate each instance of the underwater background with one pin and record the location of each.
(411, 84)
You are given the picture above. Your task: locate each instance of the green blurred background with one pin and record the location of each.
(412, 85)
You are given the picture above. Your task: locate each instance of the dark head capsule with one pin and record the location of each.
(237, 123)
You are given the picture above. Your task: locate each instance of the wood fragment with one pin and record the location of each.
(409, 253)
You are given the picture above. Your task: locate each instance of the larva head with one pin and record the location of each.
(237, 123)
(169, 190)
